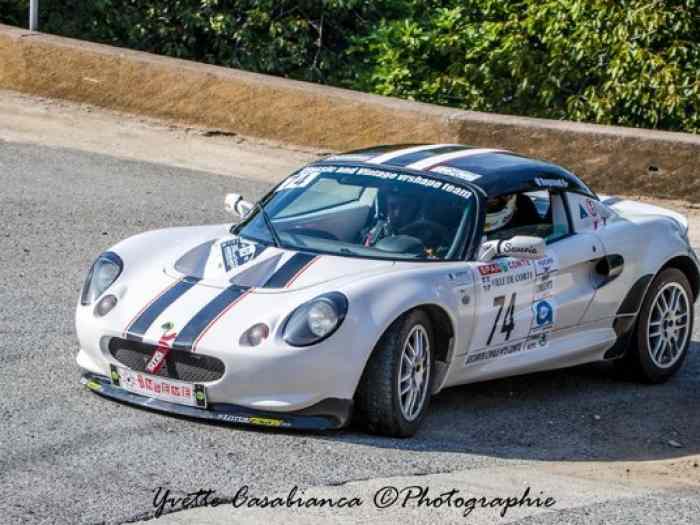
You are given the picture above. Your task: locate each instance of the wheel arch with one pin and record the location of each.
(627, 314)
(685, 264)
(444, 330)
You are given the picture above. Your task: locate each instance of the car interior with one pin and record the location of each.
(538, 214)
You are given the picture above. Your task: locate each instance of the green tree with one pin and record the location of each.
(303, 39)
(14, 12)
(632, 63)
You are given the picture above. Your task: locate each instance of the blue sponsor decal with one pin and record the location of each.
(544, 313)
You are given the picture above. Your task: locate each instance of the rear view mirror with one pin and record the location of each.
(236, 205)
(520, 246)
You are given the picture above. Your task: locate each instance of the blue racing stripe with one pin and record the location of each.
(187, 337)
(288, 270)
(137, 329)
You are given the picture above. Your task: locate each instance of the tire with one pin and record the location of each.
(378, 400)
(655, 359)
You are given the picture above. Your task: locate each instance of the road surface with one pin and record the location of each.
(75, 180)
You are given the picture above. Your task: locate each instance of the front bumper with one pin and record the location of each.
(327, 414)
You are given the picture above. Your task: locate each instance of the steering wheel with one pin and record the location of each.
(430, 232)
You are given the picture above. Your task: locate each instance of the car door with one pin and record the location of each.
(525, 307)
(564, 287)
(564, 280)
(504, 292)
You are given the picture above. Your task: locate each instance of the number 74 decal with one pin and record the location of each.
(508, 324)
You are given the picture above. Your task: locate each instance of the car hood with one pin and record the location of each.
(232, 260)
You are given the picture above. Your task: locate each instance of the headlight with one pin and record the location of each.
(314, 321)
(101, 276)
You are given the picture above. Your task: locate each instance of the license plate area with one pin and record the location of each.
(162, 388)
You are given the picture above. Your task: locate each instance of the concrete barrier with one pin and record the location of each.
(611, 159)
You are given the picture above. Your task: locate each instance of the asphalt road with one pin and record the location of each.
(69, 456)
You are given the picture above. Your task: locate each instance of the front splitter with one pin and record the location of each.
(327, 414)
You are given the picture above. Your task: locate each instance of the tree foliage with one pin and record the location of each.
(633, 63)
(630, 62)
(303, 39)
(14, 12)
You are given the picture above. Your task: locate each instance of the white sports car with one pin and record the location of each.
(368, 281)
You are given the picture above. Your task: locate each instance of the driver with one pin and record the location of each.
(399, 211)
(499, 213)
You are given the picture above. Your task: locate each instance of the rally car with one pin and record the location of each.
(366, 282)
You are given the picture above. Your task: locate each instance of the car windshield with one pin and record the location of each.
(365, 212)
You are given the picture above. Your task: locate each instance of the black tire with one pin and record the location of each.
(377, 399)
(637, 362)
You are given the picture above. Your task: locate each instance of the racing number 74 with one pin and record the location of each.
(508, 320)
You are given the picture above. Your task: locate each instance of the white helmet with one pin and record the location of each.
(499, 212)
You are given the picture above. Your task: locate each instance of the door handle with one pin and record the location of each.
(607, 269)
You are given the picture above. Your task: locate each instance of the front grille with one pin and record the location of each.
(184, 366)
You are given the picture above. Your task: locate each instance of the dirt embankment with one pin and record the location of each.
(612, 159)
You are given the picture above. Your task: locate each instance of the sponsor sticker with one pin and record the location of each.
(503, 273)
(461, 277)
(551, 183)
(114, 375)
(590, 206)
(158, 387)
(160, 354)
(592, 214)
(537, 342)
(543, 317)
(237, 252)
(300, 179)
(510, 279)
(494, 353)
(507, 248)
(544, 313)
(253, 420)
(308, 175)
(490, 269)
(456, 172)
(503, 266)
(546, 265)
(544, 288)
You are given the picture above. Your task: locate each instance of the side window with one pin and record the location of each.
(323, 194)
(587, 214)
(537, 213)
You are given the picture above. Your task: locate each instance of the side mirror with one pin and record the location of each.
(236, 205)
(520, 246)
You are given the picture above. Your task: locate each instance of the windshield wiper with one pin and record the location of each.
(268, 223)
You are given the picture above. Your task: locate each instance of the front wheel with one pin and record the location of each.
(394, 392)
(663, 330)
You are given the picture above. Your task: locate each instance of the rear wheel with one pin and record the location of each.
(394, 392)
(663, 329)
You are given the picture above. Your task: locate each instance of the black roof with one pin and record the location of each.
(497, 172)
